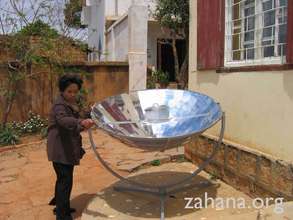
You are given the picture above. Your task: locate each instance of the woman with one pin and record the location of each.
(64, 144)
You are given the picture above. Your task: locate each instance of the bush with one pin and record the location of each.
(34, 124)
(156, 163)
(151, 83)
(44, 132)
(161, 77)
(8, 136)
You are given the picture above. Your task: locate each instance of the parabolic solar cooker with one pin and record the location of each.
(157, 119)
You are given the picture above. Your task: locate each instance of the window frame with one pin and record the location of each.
(228, 41)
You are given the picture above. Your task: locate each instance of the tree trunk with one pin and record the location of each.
(11, 90)
(176, 59)
(8, 108)
(184, 66)
(183, 79)
(8, 104)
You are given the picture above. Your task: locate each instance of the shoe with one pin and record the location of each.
(71, 210)
(67, 217)
(53, 201)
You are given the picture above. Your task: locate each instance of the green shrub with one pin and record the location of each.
(8, 136)
(44, 132)
(156, 163)
(34, 124)
(38, 28)
(160, 77)
(151, 84)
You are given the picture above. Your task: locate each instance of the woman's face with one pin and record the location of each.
(70, 93)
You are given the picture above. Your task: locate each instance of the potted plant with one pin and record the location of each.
(161, 77)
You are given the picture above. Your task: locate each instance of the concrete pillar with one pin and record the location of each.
(96, 29)
(137, 51)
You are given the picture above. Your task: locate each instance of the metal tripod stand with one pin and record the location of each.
(165, 190)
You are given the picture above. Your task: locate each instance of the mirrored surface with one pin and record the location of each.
(156, 118)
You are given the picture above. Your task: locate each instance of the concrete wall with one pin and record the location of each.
(126, 40)
(96, 28)
(120, 7)
(113, 9)
(155, 32)
(117, 41)
(95, 14)
(258, 105)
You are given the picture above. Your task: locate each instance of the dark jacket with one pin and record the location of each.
(64, 143)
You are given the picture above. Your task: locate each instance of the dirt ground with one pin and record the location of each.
(27, 182)
(27, 178)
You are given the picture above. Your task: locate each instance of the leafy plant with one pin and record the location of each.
(181, 159)
(34, 124)
(156, 163)
(8, 136)
(81, 97)
(151, 84)
(44, 132)
(213, 176)
(38, 28)
(151, 81)
(72, 13)
(161, 77)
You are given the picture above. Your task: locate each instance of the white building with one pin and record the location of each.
(124, 30)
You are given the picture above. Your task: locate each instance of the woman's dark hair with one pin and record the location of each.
(67, 80)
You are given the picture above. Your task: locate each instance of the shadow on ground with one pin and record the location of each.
(81, 202)
(119, 205)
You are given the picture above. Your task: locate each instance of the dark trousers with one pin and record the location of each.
(63, 187)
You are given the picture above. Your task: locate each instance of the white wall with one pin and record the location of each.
(258, 105)
(95, 14)
(123, 5)
(154, 33)
(126, 40)
(96, 26)
(117, 42)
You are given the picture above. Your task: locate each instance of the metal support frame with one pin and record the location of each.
(165, 189)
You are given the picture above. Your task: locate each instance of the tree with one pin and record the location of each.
(174, 16)
(72, 13)
(35, 33)
(29, 46)
(62, 15)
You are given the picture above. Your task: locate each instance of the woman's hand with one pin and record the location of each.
(87, 123)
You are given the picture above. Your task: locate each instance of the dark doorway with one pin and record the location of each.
(165, 58)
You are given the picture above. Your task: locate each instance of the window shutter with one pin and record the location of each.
(289, 54)
(210, 34)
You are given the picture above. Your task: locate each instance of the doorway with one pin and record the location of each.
(165, 58)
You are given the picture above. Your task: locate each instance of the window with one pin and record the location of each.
(255, 32)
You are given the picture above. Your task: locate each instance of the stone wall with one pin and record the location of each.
(37, 94)
(63, 50)
(246, 169)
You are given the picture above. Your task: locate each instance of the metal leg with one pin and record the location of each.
(136, 189)
(198, 186)
(162, 201)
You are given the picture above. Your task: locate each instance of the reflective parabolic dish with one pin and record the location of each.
(159, 118)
